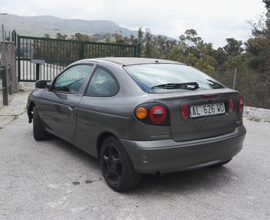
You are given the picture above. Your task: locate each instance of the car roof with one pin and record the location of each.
(124, 61)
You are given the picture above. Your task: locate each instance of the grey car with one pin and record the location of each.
(140, 116)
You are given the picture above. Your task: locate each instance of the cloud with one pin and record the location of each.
(214, 20)
(17, 10)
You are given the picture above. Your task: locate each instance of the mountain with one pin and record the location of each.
(37, 26)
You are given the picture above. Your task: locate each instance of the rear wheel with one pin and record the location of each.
(117, 167)
(38, 131)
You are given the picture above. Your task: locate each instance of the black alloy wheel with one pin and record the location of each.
(117, 167)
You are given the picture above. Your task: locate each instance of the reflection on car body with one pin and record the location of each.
(140, 115)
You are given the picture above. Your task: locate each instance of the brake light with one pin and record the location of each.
(210, 96)
(231, 105)
(185, 111)
(157, 114)
(240, 104)
(153, 114)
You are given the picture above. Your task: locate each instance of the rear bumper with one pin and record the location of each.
(170, 156)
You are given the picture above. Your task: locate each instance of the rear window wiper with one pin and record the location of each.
(177, 86)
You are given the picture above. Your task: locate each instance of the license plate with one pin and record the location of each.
(206, 110)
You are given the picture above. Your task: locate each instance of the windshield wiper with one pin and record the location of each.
(177, 85)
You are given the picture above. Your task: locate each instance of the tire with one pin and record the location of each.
(38, 131)
(223, 163)
(116, 166)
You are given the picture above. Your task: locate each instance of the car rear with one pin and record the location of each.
(203, 114)
(203, 119)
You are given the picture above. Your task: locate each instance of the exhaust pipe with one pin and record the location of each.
(160, 173)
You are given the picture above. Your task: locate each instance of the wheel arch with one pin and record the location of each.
(101, 139)
(30, 111)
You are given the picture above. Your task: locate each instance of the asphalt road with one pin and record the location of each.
(54, 180)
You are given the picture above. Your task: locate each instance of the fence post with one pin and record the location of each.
(4, 86)
(14, 36)
(3, 56)
(19, 57)
(138, 49)
(9, 80)
(235, 73)
(81, 50)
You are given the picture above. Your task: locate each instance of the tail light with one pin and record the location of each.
(240, 104)
(185, 111)
(151, 113)
(157, 114)
(231, 105)
(141, 112)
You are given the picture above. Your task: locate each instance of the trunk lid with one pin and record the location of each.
(208, 113)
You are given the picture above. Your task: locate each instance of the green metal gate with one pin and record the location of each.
(60, 53)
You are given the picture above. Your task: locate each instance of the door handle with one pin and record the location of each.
(71, 106)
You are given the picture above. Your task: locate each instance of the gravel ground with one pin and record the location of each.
(260, 114)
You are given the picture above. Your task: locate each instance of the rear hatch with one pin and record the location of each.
(202, 113)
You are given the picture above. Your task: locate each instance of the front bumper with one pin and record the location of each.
(170, 156)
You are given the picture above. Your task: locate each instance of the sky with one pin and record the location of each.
(213, 20)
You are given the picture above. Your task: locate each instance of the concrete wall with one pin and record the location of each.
(8, 56)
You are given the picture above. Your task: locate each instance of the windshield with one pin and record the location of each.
(156, 78)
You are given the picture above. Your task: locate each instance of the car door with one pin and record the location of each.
(58, 108)
(94, 109)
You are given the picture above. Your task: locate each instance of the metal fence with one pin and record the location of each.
(254, 87)
(57, 54)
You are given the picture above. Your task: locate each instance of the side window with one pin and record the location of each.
(102, 84)
(72, 79)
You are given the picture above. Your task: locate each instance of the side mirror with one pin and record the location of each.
(41, 84)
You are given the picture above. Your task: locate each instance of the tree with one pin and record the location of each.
(82, 37)
(140, 35)
(189, 43)
(233, 47)
(236, 62)
(61, 37)
(119, 38)
(133, 40)
(221, 57)
(259, 45)
(148, 43)
(46, 36)
(176, 54)
(206, 64)
(258, 53)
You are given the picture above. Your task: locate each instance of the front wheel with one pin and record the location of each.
(117, 167)
(38, 131)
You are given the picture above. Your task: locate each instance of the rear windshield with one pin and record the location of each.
(160, 78)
